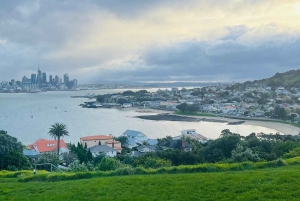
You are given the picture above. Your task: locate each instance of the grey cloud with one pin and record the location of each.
(224, 59)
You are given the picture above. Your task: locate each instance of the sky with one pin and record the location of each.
(149, 41)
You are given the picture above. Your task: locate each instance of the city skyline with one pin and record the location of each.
(38, 81)
(159, 40)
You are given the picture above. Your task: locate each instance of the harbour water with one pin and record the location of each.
(28, 116)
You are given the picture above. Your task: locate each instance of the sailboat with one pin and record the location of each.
(31, 114)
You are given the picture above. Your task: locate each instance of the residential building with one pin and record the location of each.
(91, 141)
(177, 144)
(134, 137)
(48, 146)
(109, 151)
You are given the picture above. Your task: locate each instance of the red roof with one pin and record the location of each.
(96, 137)
(31, 146)
(43, 145)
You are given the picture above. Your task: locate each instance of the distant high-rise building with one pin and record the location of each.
(50, 79)
(12, 82)
(75, 83)
(56, 79)
(66, 78)
(39, 79)
(33, 78)
(44, 77)
(24, 79)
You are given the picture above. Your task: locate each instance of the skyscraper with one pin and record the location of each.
(66, 78)
(24, 79)
(33, 78)
(75, 83)
(39, 77)
(44, 77)
(50, 79)
(56, 79)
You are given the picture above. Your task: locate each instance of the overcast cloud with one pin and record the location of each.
(157, 40)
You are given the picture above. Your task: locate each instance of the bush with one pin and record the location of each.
(292, 153)
(77, 167)
(156, 163)
(108, 164)
(127, 170)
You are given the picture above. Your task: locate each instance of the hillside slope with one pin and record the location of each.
(287, 79)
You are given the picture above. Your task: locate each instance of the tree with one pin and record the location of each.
(122, 101)
(122, 139)
(192, 108)
(57, 131)
(101, 98)
(15, 160)
(69, 158)
(128, 93)
(182, 107)
(8, 144)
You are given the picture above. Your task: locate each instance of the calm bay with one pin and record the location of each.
(47, 108)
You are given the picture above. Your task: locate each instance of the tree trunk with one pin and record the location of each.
(58, 146)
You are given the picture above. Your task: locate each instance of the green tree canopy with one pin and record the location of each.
(8, 143)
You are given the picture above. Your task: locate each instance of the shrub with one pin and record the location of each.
(127, 170)
(108, 164)
(77, 167)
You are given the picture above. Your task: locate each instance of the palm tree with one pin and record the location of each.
(57, 131)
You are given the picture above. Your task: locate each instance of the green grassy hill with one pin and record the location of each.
(287, 79)
(264, 184)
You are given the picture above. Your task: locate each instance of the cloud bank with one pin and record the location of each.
(159, 40)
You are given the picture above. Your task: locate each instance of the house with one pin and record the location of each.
(192, 134)
(134, 137)
(145, 149)
(109, 151)
(148, 148)
(49, 146)
(31, 154)
(91, 141)
(114, 144)
(177, 144)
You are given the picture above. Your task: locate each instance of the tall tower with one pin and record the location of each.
(66, 78)
(44, 77)
(39, 77)
(33, 78)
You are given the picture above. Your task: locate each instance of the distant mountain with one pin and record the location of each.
(287, 80)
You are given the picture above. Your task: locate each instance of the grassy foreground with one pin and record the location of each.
(265, 184)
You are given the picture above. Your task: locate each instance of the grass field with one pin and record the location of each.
(195, 114)
(266, 184)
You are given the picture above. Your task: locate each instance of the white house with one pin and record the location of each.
(109, 151)
(134, 137)
(191, 133)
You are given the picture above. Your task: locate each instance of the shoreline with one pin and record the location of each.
(280, 127)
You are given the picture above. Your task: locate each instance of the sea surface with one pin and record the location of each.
(28, 116)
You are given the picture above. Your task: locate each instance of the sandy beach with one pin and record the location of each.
(280, 127)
